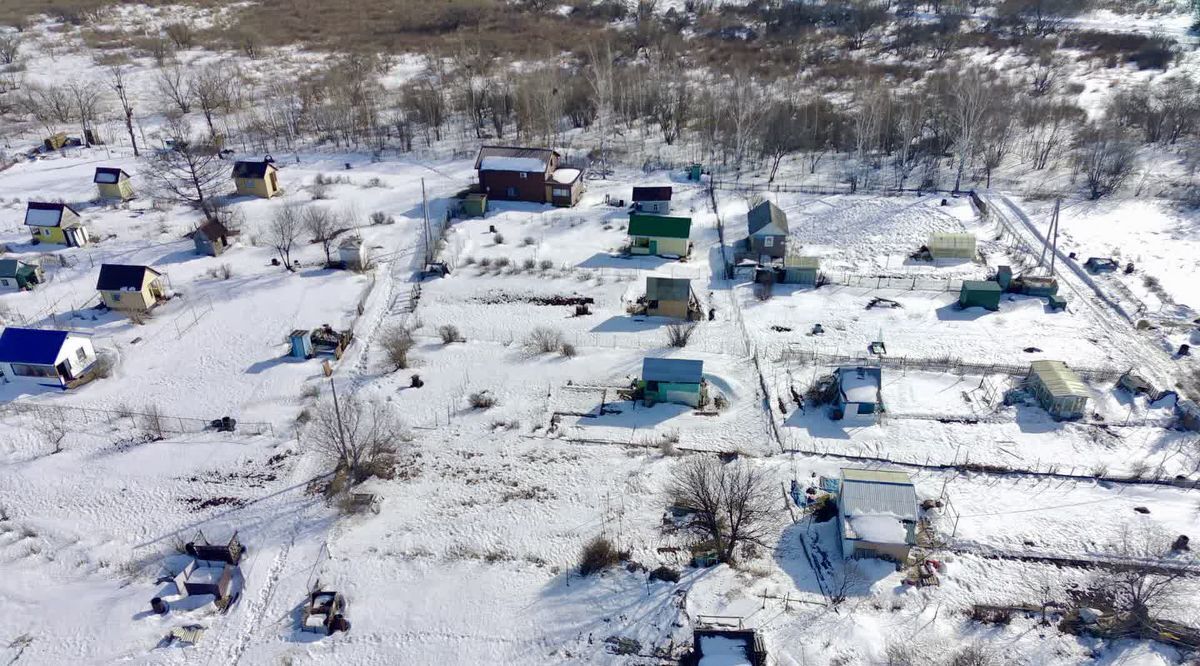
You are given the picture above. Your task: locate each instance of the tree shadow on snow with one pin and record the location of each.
(631, 324)
(632, 414)
(818, 424)
(952, 312)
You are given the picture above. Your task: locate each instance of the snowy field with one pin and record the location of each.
(472, 556)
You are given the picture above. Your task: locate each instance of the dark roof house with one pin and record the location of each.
(109, 176)
(123, 277)
(767, 218)
(652, 193)
(256, 169)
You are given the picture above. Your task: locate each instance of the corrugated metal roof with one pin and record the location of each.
(683, 371)
(31, 345)
(878, 493)
(767, 214)
(1059, 380)
(668, 289)
(660, 226)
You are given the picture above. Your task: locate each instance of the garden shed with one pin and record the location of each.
(801, 270)
(17, 275)
(1059, 390)
(671, 297)
(113, 183)
(673, 380)
(860, 392)
(980, 294)
(877, 514)
(943, 245)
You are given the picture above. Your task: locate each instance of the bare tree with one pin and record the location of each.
(844, 580)
(1041, 17)
(322, 225)
(679, 334)
(730, 501)
(89, 101)
(188, 171)
(282, 232)
(116, 81)
(1145, 587)
(176, 86)
(53, 432)
(968, 103)
(211, 91)
(9, 46)
(355, 434)
(780, 134)
(1105, 157)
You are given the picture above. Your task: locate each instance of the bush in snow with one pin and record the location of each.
(972, 655)
(502, 262)
(359, 437)
(498, 239)
(568, 350)
(679, 334)
(482, 400)
(544, 340)
(666, 574)
(449, 333)
(529, 264)
(528, 240)
(545, 264)
(397, 342)
(597, 556)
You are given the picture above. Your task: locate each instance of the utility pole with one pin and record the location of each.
(425, 213)
(1054, 248)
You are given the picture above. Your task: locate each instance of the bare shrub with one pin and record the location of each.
(528, 240)
(598, 555)
(358, 436)
(449, 334)
(502, 262)
(151, 423)
(103, 366)
(545, 264)
(730, 501)
(568, 350)
(380, 217)
(180, 34)
(665, 574)
(544, 340)
(678, 334)
(282, 233)
(53, 432)
(397, 342)
(319, 189)
(1142, 591)
(9, 45)
(482, 400)
(529, 264)
(498, 239)
(971, 655)
(899, 654)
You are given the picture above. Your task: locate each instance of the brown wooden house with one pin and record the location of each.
(508, 173)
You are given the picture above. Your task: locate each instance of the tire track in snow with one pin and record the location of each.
(258, 610)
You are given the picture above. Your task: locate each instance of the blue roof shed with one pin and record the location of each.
(673, 370)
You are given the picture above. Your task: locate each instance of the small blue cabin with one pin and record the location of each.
(673, 380)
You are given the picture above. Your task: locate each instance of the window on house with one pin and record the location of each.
(523, 175)
(652, 386)
(116, 297)
(866, 408)
(561, 192)
(769, 241)
(80, 354)
(4, 282)
(23, 370)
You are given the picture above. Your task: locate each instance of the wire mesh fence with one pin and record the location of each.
(83, 417)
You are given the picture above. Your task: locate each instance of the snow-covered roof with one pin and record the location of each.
(38, 214)
(1059, 380)
(860, 384)
(526, 164)
(565, 176)
(875, 504)
(724, 651)
(513, 158)
(668, 289)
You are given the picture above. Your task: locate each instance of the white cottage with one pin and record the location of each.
(46, 357)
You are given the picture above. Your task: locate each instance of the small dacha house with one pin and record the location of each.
(671, 297)
(256, 178)
(17, 275)
(652, 200)
(659, 235)
(877, 514)
(860, 393)
(510, 173)
(980, 294)
(768, 228)
(1059, 390)
(676, 380)
(803, 270)
(211, 238)
(55, 223)
(46, 357)
(130, 288)
(113, 183)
